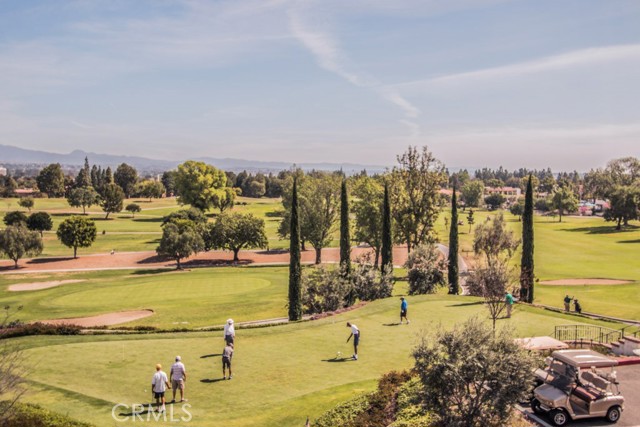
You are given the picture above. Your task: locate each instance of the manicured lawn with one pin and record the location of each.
(197, 298)
(281, 374)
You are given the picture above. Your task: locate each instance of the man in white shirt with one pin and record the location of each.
(159, 384)
(229, 332)
(178, 376)
(355, 333)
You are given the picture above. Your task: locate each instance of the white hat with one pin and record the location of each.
(178, 358)
(230, 321)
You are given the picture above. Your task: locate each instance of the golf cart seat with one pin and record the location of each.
(584, 394)
(595, 383)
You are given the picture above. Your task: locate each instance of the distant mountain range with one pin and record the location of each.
(14, 155)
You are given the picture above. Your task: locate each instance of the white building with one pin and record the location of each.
(3, 171)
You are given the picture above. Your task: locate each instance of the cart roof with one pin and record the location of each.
(541, 343)
(584, 358)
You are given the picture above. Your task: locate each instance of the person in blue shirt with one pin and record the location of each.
(403, 310)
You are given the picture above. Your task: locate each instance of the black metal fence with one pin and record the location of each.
(589, 333)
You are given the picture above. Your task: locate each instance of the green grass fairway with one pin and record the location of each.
(186, 299)
(281, 374)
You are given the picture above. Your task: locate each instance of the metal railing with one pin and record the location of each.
(590, 333)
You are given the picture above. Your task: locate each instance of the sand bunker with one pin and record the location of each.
(578, 282)
(35, 286)
(102, 319)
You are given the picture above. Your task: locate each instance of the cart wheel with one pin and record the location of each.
(535, 406)
(613, 414)
(559, 417)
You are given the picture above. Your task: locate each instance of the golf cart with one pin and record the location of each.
(578, 384)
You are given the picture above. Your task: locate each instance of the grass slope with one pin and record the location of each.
(281, 374)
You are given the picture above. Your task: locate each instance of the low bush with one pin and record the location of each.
(18, 329)
(28, 415)
(425, 270)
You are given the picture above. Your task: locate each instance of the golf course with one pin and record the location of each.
(283, 373)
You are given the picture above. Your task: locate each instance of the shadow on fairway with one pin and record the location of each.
(210, 355)
(338, 359)
(212, 380)
(151, 271)
(158, 219)
(629, 241)
(391, 324)
(604, 229)
(464, 304)
(47, 260)
(135, 413)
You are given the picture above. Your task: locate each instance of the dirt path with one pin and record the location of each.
(129, 260)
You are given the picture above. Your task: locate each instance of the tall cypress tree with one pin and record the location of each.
(387, 240)
(295, 287)
(345, 237)
(454, 285)
(526, 264)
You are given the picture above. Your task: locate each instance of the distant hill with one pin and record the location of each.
(15, 155)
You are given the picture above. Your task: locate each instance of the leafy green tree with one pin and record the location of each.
(471, 193)
(40, 221)
(169, 182)
(16, 242)
(77, 232)
(452, 262)
(526, 262)
(191, 214)
(26, 202)
(133, 208)
(563, 200)
(84, 176)
(15, 218)
(8, 186)
(494, 200)
(235, 231)
(517, 209)
(201, 186)
(126, 177)
(345, 232)
(180, 240)
(50, 180)
(295, 271)
(472, 378)
(367, 208)
(624, 202)
(318, 196)
(494, 241)
(414, 190)
(149, 188)
(112, 199)
(470, 219)
(84, 197)
(387, 236)
(425, 270)
(224, 199)
(491, 283)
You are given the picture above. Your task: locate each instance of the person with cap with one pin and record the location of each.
(403, 310)
(229, 332)
(178, 376)
(567, 303)
(227, 355)
(355, 333)
(159, 384)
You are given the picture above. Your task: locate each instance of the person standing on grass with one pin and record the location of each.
(403, 310)
(508, 300)
(178, 376)
(229, 332)
(159, 384)
(227, 355)
(355, 333)
(567, 303)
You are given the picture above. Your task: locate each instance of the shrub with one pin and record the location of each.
(425, 270)
(18, 329)
(344, 414)
(324, 290)
(29, 415)
(369, 283)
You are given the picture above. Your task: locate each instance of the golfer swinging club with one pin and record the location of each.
(355, 333)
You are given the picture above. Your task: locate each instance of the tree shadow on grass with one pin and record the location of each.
(48, 260)
(158, 219)
(154, 259)
(391, 324)
(629, 241)
(464, 304)
(603, 229)
(150, 271)
(339, 359)
(215, 263)
(211, 380)
(210, 355)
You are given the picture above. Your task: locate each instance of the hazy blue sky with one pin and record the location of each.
(481, 82)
